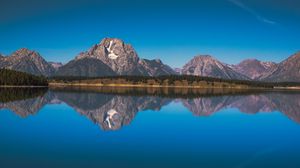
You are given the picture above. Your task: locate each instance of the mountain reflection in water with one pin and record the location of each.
(113, 108)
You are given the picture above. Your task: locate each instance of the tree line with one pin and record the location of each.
(16, 78)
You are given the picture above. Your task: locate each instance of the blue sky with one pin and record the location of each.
(172, 30)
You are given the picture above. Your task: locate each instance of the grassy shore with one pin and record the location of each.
(83, 84)
(158, 82)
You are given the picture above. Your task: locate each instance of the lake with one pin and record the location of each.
(109, 127)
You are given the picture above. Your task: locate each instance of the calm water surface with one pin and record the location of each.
(87, 128)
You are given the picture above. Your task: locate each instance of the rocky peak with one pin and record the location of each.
(23, 52)
(254, 68)
(158, 61)
(294, 57)
(120, 57)
(206, 65)
(28, 61)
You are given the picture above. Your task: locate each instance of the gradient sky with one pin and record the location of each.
(172, 30)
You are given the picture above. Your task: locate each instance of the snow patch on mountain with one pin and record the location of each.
(111, 54)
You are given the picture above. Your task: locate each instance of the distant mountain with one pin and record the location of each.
(27, 61)
(156, 67)
(205, 65)
(85, 67)
(286, 71)
(56, 65)
(178, 70)
(253, 68)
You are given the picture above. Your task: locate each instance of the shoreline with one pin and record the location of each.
(167, 86)
(143, 86)
(146, 86)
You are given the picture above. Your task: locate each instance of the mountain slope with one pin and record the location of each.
(156, 67)
(253, 68)
(286, 71)
(205, 65)
(27, 61)
(85, 67)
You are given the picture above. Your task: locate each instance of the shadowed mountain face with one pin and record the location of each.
(112, 111)
(87, 67)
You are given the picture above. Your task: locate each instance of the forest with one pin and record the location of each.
(16, 78)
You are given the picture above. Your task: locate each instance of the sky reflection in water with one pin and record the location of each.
(58, 128)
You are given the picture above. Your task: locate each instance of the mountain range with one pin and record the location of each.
(112, 57)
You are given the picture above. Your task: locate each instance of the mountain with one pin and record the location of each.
(27, 61)
(120, 57)
(205, 65)
(56, 65)
(253, 68)
(286, 71)
(178, 70)
(156, 67)
(87, 67)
